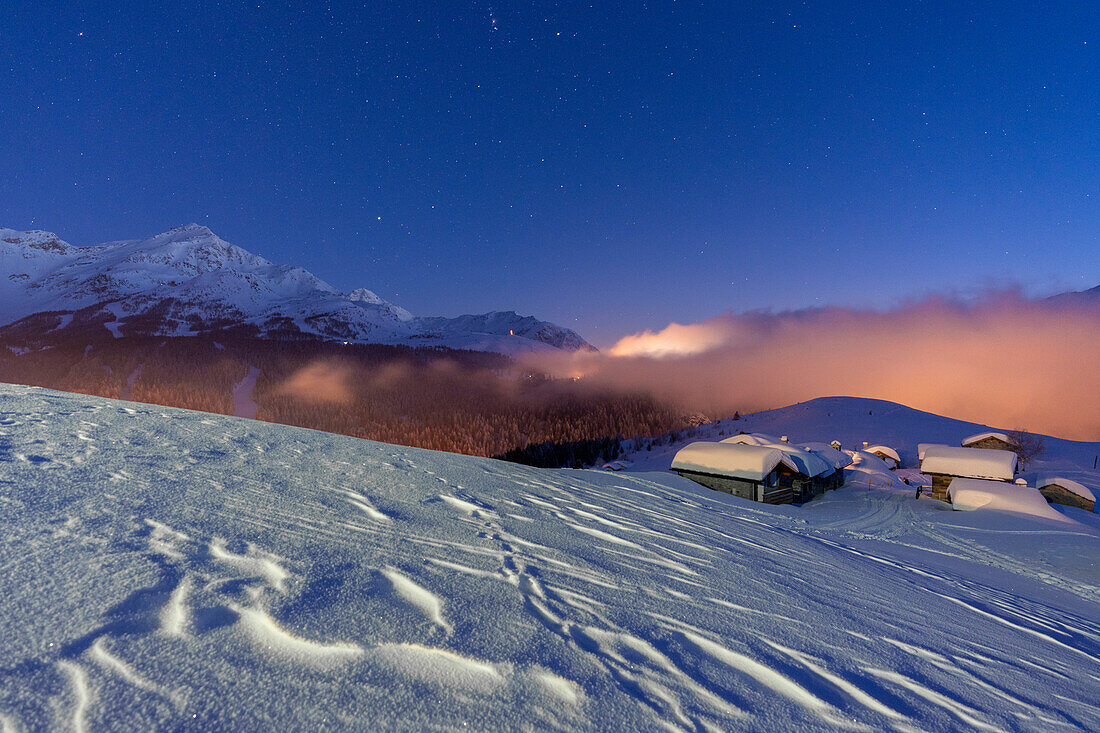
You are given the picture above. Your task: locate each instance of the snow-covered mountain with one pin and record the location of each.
(188, 280)
(510, 323)
(166, 569)
(1090, 297)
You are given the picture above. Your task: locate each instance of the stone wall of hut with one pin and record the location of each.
(1055, 494)
(726, 484)
(742, 488)
(992, 443)
(940, 482)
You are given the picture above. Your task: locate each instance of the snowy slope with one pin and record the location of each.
(508, 323)
(1088, 297)
(24, 257)
(183, 570)
(189, 280)
(853, 420)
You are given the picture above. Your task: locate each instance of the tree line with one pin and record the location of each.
(466, 402)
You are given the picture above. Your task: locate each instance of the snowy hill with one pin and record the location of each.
(1079, 297)
(853, 420)
(174, 569)
(188, 280)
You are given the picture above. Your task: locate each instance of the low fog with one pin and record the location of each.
(320, 382)
(1004, 361)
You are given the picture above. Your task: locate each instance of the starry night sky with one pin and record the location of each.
(608, 166)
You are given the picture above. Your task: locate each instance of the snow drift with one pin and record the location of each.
(968, 494)
(170, 569)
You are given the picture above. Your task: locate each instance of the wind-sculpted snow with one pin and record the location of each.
(171, 569)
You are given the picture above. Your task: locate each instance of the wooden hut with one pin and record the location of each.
(813, 473)
(749, 471)
(831, 454)
(886, 453)
(1059, 490)
(943, 463)
(990, 441)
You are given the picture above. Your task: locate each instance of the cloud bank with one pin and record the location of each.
(1003, 360)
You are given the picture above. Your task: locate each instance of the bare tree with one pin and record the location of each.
(1027, 446)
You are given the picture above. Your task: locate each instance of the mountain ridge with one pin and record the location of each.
(188, 280)
(1077, 297)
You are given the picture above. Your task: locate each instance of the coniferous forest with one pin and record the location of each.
(476, 403)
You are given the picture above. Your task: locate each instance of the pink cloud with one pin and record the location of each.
(1004, 361)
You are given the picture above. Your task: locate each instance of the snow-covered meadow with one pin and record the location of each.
(173, 569)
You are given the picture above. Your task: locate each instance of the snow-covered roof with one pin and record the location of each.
(864, 460)
(969, 462)
(922, 447)
(753, 439)
(749, 462)
(978, 437)
(884, 450)
(1068, 484)
(971, 493)
(838, 458)
(804, 461)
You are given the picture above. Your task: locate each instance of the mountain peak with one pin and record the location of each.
(36, 239)
(189, 233)
(510, 323)
(362, 295)
(189, 280)
(195, 229)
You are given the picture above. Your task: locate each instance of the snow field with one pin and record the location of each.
(164, 568)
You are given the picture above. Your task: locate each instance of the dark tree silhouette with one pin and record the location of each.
(1027, 446)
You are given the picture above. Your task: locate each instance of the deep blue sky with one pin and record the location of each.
(609, 166)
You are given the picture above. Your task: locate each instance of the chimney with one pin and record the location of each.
(865, 445)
